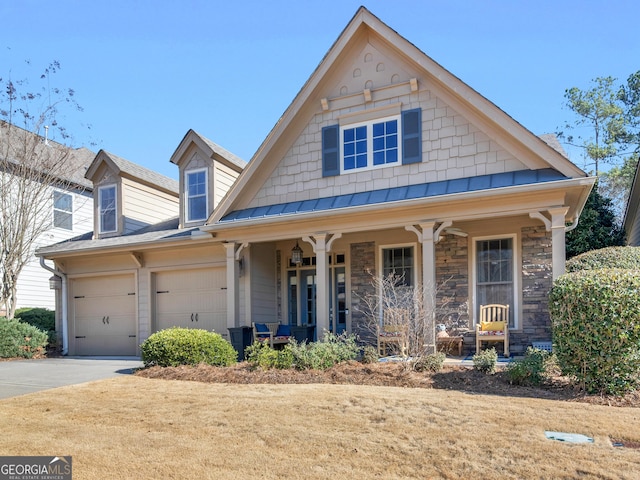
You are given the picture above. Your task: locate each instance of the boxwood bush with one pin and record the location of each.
(187, 346)
(19, 339)
(610, 257)
(595, 316)
(40, 318)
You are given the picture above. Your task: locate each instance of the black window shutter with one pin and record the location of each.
(330, 151)
(412, 136)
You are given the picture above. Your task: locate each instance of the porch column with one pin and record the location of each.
(232, 286)
(427, 238)
(321, 244)
(558, 241)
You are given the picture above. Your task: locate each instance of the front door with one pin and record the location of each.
(338, 307)
(308, 297)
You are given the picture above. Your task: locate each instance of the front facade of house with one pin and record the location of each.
(384, 163)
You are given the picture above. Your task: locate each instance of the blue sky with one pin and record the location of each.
(145, 72)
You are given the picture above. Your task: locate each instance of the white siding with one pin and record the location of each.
(33, 282)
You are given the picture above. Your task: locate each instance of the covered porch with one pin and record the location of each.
(318, 282)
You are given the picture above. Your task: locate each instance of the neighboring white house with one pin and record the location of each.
(70, 215)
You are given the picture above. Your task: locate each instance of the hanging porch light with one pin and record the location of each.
(296, 254)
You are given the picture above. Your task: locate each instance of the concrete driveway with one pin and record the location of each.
(19, 377)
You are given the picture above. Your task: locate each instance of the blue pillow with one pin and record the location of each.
(261, 327)
(283, 331)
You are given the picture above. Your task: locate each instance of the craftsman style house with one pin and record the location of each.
(384, 162)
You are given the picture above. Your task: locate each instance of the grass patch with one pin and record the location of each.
(134, 427)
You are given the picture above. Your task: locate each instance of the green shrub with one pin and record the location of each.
(260, 354)
(333, 349)
(595, 316)
(432, 362)
(532, 370)
(18, 339)
(486, 360)
(40, 318)
(370, 354)
(610, 257)
(187, 346)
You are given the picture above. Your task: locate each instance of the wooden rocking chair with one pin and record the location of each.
(493, 326)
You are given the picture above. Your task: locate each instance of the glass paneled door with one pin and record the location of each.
(338, 307)
(308, 297)
(302, 296)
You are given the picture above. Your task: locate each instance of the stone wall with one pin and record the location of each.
(537, 279)
(452, 277)
(363, 260)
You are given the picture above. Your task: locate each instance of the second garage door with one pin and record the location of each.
(192, 299)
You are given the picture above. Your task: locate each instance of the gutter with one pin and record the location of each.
(63, 313)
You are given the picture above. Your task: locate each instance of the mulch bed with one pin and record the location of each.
(390, 374)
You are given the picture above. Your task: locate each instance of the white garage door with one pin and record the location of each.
(192, 299)
(104, 315)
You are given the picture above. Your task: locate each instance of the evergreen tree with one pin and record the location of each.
(597, 227)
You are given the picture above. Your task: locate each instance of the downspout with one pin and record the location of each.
(573, 225)
(63, 310)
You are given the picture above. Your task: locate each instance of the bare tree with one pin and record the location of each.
(404, 308)
(31, 166)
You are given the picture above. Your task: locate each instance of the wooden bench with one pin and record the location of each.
(275, 332)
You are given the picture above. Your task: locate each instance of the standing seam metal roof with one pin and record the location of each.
(410, 192)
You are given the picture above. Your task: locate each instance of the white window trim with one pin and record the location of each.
(187, 197)
(517, 282)
(115, 197)
(380, 262)
(369, 124)
(62, 192)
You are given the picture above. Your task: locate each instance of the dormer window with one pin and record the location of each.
(196, 193)
(107, 209)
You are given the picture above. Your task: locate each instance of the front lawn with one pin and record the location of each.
(135, 427)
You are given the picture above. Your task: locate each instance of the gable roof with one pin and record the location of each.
(212, 149)
(363, 27)
(78, 161)
(126, 168)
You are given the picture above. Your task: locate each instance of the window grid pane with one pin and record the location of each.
(62, 210)
(355, 147)
(108, 209)
(494, 270)
(196, 196)
(399, 263)
(385, 142)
